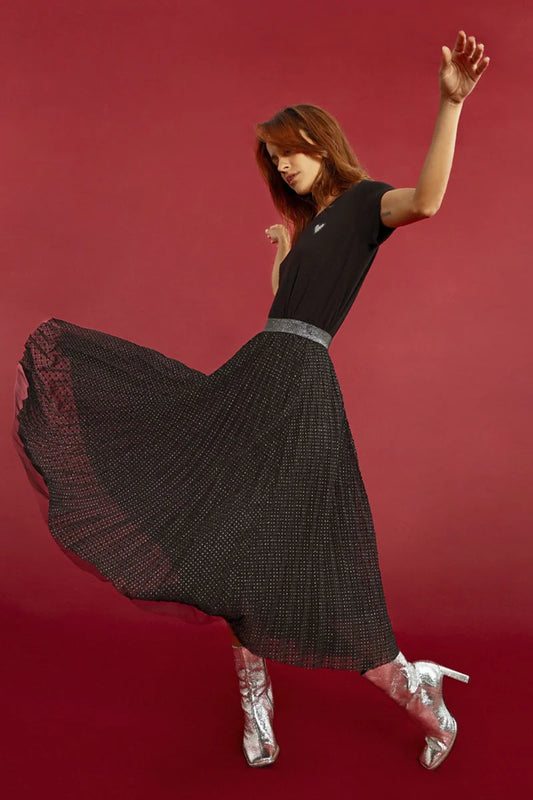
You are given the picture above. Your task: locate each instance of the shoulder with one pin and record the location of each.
(367, 193)
(370, 188)
(367, 201)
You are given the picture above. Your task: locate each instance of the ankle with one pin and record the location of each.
(398, 678)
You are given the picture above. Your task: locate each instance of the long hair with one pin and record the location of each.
(339, 170)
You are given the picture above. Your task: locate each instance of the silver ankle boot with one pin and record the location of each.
(417, 687)
(259, 743)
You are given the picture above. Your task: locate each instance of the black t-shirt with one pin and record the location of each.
(320, 277)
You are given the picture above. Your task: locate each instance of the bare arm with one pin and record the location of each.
(280, 255)
(403, 206)
(459, 72)
(278, 234)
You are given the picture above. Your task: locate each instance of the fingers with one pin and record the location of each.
(460, 42)
(466, 46)
(446, 55)
(276, 230)
(478, 62)
(272, 234)
(470, 46)
(482, 66)
(478, 52)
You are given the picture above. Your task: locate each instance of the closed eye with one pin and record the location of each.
(285, 152)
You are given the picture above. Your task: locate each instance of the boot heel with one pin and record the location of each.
(452, 673)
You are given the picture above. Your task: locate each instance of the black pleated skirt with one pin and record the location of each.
(235, 494)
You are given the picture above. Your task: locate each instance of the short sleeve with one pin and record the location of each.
(378, 232)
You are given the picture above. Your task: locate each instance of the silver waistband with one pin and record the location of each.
(300, 328)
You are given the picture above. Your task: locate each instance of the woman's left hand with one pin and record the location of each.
(461, 68)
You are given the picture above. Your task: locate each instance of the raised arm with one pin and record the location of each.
(459, 72)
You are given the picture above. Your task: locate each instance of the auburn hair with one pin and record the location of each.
(339, 170)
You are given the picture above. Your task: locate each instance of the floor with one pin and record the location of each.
(113, 703)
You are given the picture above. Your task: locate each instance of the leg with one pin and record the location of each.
(259, 742)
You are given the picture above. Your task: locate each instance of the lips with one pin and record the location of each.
(291, 178)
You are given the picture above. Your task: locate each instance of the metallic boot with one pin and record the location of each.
(259, 743)
(417, 687)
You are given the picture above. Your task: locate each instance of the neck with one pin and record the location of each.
(329, 201)
(320, 210)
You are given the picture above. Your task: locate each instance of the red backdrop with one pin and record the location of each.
(131, 203)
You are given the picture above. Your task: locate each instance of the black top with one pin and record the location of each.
(320, 277)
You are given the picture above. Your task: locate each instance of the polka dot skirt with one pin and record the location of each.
(235, 494)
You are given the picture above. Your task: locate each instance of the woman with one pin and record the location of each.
(238, 494)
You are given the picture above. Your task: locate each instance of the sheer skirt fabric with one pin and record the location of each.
(235, 494)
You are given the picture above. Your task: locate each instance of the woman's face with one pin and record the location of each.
(298, 170)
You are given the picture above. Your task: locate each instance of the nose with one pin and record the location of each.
(282, 165)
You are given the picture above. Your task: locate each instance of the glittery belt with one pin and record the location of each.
(300, 328)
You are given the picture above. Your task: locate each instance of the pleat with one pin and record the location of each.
(235, 494)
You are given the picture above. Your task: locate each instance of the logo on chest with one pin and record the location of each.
(319, 227)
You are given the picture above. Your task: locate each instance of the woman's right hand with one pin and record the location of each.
(279, 234)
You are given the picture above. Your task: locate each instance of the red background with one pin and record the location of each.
(131, 203)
